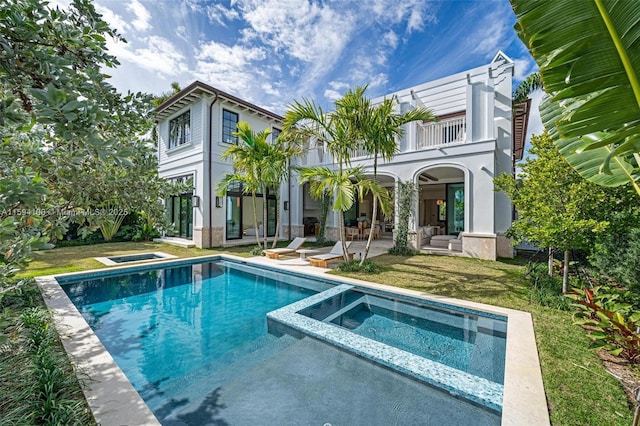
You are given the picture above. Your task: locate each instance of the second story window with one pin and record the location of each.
(229, 122)
(180, 130)
(274, 134)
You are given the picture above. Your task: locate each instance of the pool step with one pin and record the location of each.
(345, 309)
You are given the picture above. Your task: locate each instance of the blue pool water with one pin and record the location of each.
(193, 341)
(462, 340)
(164, 324)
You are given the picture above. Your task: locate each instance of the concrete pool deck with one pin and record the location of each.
(114, 401)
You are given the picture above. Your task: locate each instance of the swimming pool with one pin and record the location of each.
(193, 340)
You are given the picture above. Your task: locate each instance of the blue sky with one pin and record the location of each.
(270, 52)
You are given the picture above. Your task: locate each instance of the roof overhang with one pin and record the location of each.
(196, 90)
(520, 124)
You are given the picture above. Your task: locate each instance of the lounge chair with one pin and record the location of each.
(335, 253)
(291, 248)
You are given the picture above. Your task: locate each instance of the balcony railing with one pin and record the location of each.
(442, 132)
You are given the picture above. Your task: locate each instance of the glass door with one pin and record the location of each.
(186, 216)
(234, 217)
(272, 215)
(455, 208)
(180, 210)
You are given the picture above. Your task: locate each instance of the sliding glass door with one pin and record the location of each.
(180, 211)
(455, 208)
(234, 216)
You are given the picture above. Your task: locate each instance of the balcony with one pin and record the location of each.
(441, 133)
(429, 135)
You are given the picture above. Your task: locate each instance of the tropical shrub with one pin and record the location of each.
(613, 323)
(545, 290)
(617, 253)
(367, 267)
(257, 251)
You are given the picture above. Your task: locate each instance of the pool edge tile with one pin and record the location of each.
(109, 394)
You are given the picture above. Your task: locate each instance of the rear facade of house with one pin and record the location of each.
(452, 162)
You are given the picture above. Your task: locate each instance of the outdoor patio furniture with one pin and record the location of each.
(335, 253)
(456, 243)
(291, 248)
(375, 230)
(442, 241)
(251, 231)
(351, 233)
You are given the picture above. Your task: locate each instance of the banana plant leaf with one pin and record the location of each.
(589, 163)
(589, 57)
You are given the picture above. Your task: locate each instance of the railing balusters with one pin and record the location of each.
(442, 132)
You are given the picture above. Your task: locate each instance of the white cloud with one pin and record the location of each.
(491, 36)
(312, 33)
(338, 85)
(113, 19)
(181, 32)
(158, 55)
(522, 68)
(237, 55)
(230, 67)
(415, 12)
(218, 13)
(390, 39)
(332, 94)
(142, 16)
(270, 90)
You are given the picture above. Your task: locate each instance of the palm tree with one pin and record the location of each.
(589, 61)
(248, 163)
(276, 165)
(341, 131)
(382, 128)
(527, 86)
(345, 184)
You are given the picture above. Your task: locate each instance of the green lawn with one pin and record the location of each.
(579, 390)
(81, 258)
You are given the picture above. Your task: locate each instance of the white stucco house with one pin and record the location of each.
(480, 134)
(194, 127)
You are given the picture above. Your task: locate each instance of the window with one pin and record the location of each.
(229, 123)
(180, 130)
(274, 134)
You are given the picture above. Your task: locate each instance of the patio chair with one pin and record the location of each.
(351, 233)
(291, 248)
(375, 230)
(335, 253)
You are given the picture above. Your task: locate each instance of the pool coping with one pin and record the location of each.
(113, 400)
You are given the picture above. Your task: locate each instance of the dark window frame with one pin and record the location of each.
(275, 133)
(180, 130)
(227, 130)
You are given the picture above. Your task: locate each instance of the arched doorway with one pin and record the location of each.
(442, 199)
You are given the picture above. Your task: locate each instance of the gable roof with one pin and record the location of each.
(198, 88)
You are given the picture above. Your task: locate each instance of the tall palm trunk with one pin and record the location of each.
(342, 240)
(341, 224)
(375, 210)
(255, 219)
(275, 238)
(264, 216)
